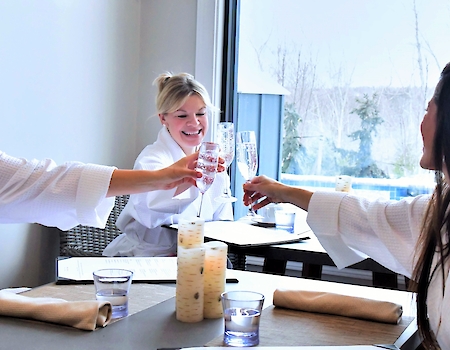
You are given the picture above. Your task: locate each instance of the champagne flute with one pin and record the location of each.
(208, 159)
(247, 159)
(225, 138)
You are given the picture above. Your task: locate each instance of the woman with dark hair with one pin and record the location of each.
(410, 236)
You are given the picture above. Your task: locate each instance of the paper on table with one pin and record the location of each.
(239, 233)
(146, 269)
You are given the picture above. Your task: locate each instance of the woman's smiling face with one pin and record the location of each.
(189, 124)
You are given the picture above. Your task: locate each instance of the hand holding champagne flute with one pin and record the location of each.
(247, 158)
(208, 159)
(226, 141)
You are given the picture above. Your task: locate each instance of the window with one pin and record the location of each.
(355, 77)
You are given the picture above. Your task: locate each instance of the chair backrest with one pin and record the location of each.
(91, 241)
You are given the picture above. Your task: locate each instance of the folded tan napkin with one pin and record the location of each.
(337, 304)
(85, 315)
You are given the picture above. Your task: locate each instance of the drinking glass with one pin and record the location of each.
(225, 139)
(208, 159)
(242, 313)
(247, 158)
(113, 285)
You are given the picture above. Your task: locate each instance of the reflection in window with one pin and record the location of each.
(359, 75)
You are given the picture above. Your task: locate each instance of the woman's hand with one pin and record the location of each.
(191, 163)
(265, 188)
(268, 190)
(181, 173)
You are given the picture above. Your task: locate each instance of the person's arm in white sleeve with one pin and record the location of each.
(385, 230)
(269, 190)
(323, 218)
(180, 173)
(63, 196)
(75, 193)
(351, 228)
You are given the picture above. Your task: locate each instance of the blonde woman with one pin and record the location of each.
(182, 105)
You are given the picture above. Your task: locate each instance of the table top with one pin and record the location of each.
(152, 323)
(307, 250)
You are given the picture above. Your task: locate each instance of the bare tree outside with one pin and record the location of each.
(326, 85)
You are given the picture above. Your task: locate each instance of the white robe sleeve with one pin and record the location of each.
(351, 228)
(63, 196)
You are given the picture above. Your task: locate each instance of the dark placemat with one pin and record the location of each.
(141, 297)
(285, 327)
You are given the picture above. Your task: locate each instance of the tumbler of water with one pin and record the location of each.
(113, 285)
(242, 312)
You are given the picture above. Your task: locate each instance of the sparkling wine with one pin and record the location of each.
(208, 159)
(225, 139)
(207, 165)
(247, 159)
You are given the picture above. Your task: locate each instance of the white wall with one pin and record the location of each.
(172, 49)
(177, 36)
(75, 84)
(68, 91)
(68, 79)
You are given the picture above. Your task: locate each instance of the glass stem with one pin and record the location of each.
(200, 209)
(251, 212)
(227, 185)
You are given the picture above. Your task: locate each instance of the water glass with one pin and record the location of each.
(113, 285)
(285, 219)
(242, 312)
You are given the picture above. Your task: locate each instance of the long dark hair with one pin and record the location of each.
(435, 229)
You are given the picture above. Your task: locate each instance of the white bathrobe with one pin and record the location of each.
(144, 214)
(350, 228)
(33, 191)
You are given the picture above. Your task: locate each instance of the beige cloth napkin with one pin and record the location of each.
(85, 315)
(337, 304)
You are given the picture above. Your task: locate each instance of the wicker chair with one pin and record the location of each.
(90, 241)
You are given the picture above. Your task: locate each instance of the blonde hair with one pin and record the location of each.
(174, 90)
